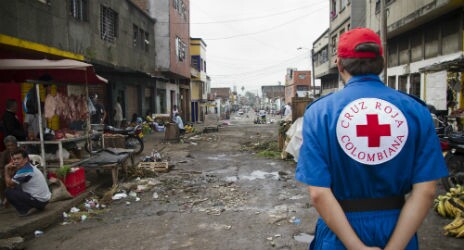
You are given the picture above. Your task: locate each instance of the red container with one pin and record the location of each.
(75, 178)
(74, 181)
(76, 190)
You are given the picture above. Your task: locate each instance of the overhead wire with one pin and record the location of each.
(249, 18)
(258, 73)
(261, 31)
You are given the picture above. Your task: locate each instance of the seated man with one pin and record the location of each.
(150, 120)
(11, 144)
(180, 124)
(27, 190)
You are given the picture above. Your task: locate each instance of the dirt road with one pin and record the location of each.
(217, 196)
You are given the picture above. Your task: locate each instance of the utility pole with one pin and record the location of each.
(313, 78)
(383, 36)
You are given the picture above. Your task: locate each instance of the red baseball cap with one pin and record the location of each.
(352, 38)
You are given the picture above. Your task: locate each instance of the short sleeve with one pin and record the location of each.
(312, 167)
(430, 164)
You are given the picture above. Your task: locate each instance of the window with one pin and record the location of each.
(403, 83)
(195, 62)
(135, 35)
(416, 46)
(180, 7)
(450, 35)
(392, 82)
(79, 9)
(204, 66)
(333, 9)
(377, 5)
(392, 53)
(324, 55)
(415, 85)
(301, 76)
(302, 88)
(431, 41)
(140, 38)
(108, 24)
(146, 42)
(342, 31)
(342, 5)
(334, 45)
(403, 47)
(180, 49)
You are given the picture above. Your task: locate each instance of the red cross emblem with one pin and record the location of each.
(373, 130)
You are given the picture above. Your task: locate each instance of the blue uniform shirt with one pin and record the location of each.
(368, 141)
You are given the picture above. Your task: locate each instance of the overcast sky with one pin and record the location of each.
(251, 43)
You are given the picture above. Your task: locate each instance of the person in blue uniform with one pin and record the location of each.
(364, 148)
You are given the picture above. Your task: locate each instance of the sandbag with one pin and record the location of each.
(59, 191)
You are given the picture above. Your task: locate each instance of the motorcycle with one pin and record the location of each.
(452, 146)
(453, 150)
(133, 139)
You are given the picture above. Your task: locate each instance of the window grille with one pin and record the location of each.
(108, 24)
(180, 7)
(146, 42)
(140, 38)
(180, 49)
(79, 9)
(135, 35)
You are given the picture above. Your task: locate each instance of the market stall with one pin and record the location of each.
(64, 71)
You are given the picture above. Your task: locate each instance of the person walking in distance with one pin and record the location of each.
(118, 113)
(288, 112)
(364, 148)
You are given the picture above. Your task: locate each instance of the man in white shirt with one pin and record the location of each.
(288, 112)
(118, 113)
(180, 123)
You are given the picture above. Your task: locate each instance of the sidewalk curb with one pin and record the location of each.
(52, 215)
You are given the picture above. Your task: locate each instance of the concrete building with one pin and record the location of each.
(343, 15)
(297, 84)
(199, 83)
(424, 50)
(172, 45)
(222, 97)
(117, 37)
(273, 96)
(322, 67)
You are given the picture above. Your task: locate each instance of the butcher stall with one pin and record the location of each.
(63, 87)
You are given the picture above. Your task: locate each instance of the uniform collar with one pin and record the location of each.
(363, 78)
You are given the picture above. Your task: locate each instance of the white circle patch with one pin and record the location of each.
(371, 131)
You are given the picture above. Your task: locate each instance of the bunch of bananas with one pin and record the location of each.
(456, 227)
(451, 205)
